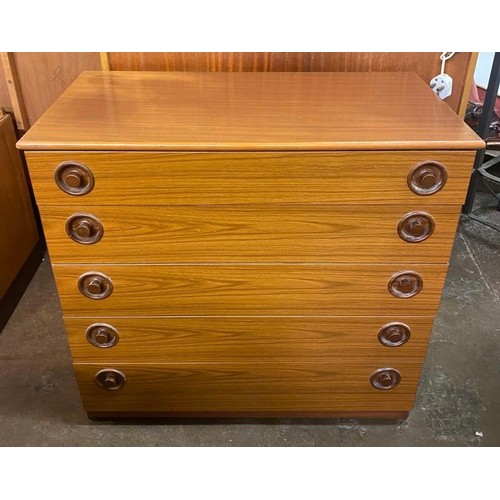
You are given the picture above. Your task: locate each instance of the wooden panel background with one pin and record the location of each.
(44, 76)
(4, 92)
(425, 64)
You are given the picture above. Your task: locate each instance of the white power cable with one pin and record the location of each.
(444, 57)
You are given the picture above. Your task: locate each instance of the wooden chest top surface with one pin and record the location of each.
(182, 111)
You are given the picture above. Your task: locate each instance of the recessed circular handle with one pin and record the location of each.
(74, 178)
(415, 227)
(405, 284)
(385, 378)
(427, 178)
(394, 334)
(95, 285)
(85, 229)
(102, 335)
(110, 379)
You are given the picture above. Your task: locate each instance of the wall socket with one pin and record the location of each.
(442, 85)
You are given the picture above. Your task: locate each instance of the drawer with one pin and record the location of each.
(308, 233)
(219, 290)
(195, 340)
(319, 386)
(136, 178)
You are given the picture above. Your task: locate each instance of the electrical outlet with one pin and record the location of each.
(442, 85)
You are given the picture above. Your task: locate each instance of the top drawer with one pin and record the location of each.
(139, 178)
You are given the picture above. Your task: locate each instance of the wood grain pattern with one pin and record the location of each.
(44, 76)
(14, 88)
(18, 231)
(230, 178)
(318, 386)
(250, 273)
(467, 85)
(425, 64)
(252, 233)
(199, 416)
(4, 92)
(219, 340)
(329, 290)
(104, 57)
(248, 111)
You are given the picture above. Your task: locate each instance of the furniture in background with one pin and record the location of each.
(20, 247)
(249, 244)
(486, 172)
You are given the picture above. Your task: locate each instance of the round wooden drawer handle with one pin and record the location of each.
(405, 284)
(385, 378)
(110, 379)
(415, 227)
(74, 178)
(95, 285)
(102, 335)
(84, 228)
(427, 178)
(394, 334)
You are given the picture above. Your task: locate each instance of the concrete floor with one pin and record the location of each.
(458, 402)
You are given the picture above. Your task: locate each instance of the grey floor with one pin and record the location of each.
(458, 403)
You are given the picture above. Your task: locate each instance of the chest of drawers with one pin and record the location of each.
(239, 244)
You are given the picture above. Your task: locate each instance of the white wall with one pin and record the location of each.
(483, 69)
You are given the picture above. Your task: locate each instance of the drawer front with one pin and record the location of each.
(308, 233)
(219, 290)
(225, 178)
(198, 340)
(302, 386)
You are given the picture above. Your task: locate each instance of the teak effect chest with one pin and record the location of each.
(238, 244)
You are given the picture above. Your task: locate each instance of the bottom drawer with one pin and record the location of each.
(266, 388)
